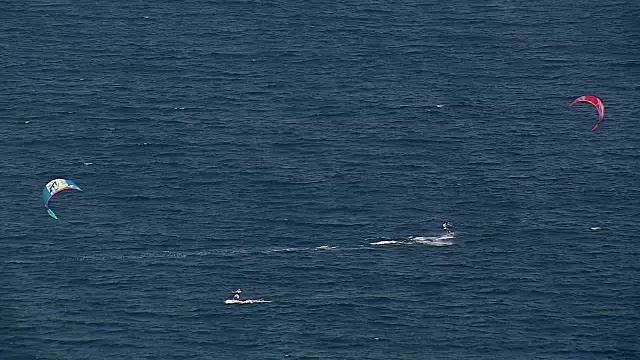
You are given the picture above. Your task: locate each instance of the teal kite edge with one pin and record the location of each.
(52, 214)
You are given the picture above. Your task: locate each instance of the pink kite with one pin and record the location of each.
(593, 100)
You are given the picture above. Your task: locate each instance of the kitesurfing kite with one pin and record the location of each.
(595, 101)
(53, 187)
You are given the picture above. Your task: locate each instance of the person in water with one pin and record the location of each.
(447, 227)
(236, 294)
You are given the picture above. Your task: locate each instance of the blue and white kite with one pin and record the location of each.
(53, 187)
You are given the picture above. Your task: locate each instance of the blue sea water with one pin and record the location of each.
(267, 144)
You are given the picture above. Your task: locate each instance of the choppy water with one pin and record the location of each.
(308, 152)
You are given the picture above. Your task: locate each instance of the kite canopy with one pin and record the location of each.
(53, 187)
(595, 101)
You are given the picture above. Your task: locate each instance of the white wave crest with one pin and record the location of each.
(247, 301)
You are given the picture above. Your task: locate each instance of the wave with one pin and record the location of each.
(248, 301)
(443, 240)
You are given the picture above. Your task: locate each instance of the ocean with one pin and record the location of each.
(308, 153)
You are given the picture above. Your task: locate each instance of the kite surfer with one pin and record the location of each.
(446, 227)
(236, 294)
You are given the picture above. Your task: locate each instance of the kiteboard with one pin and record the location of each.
(247, 301)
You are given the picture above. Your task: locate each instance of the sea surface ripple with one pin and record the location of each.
(309, 152)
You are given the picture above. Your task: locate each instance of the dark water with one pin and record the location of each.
(266, 144)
